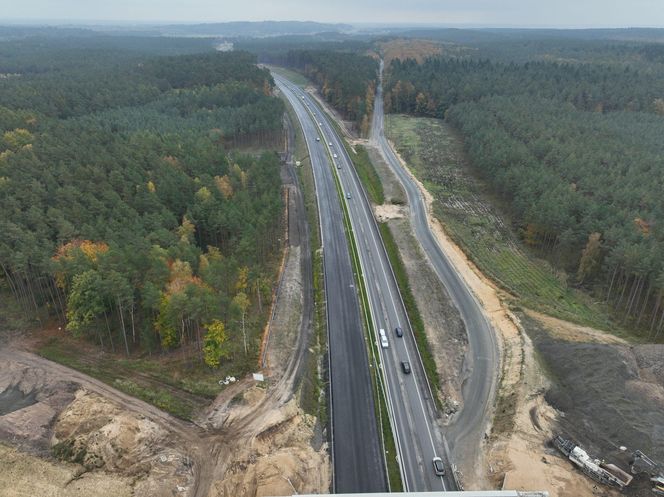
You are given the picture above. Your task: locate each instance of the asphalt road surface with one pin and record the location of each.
(410, 405)
(358, 463)
(465, 433)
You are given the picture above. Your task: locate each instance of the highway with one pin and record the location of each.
(464, 434)
(410, 405)
(357, 458)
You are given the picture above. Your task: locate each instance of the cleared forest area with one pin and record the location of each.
(470, 216)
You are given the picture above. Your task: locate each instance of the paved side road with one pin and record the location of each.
(465, 432)
(410, 406)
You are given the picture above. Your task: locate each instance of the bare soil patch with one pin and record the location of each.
(592, 388)
(279, 459)
(24, 475)
(286, 322)
(386, 212)
(521, 458)
(611, 394)
(107, 442)
(251, 440)
(605, 394)
(573, 332)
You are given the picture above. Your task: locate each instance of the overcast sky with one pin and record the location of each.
(528, 13)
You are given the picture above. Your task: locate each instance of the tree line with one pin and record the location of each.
(438, 83)
(346, 80)
(123, 211)
(576, 150)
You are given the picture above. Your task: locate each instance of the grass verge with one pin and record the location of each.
(106, 370)
(382, 417)
(411, 308)
(367, 173)
(306, 175)
(372, 183)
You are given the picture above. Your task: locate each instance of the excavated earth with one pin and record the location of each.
(63, 433)
(83, 443)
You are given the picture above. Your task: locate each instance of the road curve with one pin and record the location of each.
(465, 432)
(358, 462)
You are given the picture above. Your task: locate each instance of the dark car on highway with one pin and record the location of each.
(405, 366)
(398, 331)
(438, 466)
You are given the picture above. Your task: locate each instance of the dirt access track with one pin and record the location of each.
(74, 407)
(253, 440)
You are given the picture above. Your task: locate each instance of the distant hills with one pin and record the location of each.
(252, 29)
(264, 29)
(239, 29)
(479, 35)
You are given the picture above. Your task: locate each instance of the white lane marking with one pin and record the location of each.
(363, 211)
(390, 406)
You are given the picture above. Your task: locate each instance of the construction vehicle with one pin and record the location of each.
(607, 474)
(643, 464)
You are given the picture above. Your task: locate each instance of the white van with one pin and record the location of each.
(383, 339)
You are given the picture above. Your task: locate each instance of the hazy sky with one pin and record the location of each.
(576, 13)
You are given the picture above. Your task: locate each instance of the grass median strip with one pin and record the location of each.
(369, 177)
(383, 420)
(389, 444)
(367, 173)
(411, 308)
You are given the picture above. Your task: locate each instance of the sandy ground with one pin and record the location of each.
(278, 458)
(607, 394)
(521, 459)
(571, 332)
(110, 440)
(253, 440)
(23, 475)
(386, 212)
(517, 455)
(285, 324)
(442, 323)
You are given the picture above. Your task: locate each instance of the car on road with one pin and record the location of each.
(438, 466)
(405, 367)
(317, 139)
(320, 124)
(338, 165)
(398, 331)
(334, 155)
(347, 194)
(330, 144)
(383, 339)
